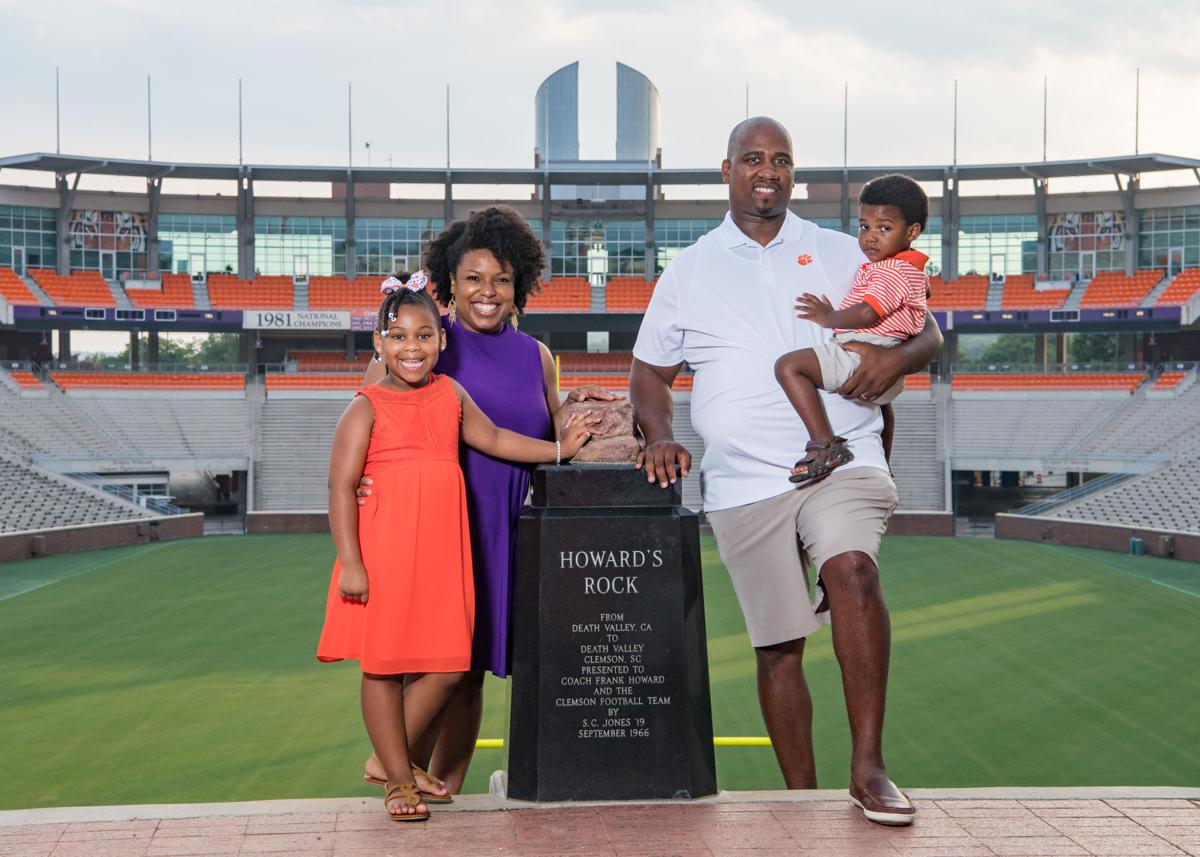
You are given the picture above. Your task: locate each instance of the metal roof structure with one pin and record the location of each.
(583, 173)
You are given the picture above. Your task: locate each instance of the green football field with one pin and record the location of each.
(184, 672)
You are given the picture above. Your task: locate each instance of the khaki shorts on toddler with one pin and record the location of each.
(838, 364)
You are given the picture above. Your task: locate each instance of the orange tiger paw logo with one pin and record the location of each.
(804, 259)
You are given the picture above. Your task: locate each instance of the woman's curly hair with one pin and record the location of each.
(498, 229)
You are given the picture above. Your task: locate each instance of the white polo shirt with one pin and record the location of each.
(725, 306)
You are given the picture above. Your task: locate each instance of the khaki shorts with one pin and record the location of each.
(761, 545)
(837, 364)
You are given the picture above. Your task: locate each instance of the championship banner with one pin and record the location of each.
(295, 320)
(366, 321)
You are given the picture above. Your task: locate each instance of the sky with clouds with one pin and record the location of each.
(900, 61)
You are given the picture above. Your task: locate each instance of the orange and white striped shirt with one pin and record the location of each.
(896, 288)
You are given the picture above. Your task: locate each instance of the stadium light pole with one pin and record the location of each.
(57, 115)
(845, 124)
(448, 126)
(149, 126)
(1137, 108)
(954, 152)
(1045, 90)
(239, 121)
(349, 124)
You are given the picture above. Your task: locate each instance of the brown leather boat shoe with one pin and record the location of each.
(883, 803)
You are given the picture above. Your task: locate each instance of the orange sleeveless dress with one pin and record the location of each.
(412, 531)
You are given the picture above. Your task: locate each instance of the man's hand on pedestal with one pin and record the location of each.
(660, 459)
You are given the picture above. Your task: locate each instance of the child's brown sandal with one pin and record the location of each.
(824, 457)
(408, 795)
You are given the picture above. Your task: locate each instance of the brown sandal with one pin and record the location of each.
(428, 797)
(408, 795)
(824, 457)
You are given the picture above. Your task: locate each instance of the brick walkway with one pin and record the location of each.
(1022, 823)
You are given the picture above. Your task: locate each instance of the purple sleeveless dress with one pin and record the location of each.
(503, 373)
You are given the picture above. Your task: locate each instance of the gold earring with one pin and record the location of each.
(512, 319)
(452, 310)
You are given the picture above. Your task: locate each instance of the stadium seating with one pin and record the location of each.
(1167, 499)
(174, 293)
(627, 294)
(81, 288)
(164, 381)
(291, 466)
(14, 290)
(562, 294)
(918, 381)
(1181, 289)
(1014, 428)
(1143, 426)
(1020, 293)
(314, 381)
(1114, 289)
(25, 380)
(965, 293)
(328, 361)
(35, 499)
(226, 291)
(919, 452)
(1048, 381)
(340, 293)
(1168, 380)
(612, 380)
(595, 361)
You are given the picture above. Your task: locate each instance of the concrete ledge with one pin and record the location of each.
(109, 534)
(1097, 534)
(921, 524)
(489, 803)
(301, 521)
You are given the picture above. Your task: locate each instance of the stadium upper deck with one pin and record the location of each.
(120, 259)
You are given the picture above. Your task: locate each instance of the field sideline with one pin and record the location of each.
(184, 672)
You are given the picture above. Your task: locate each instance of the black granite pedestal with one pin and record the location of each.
(610, 697)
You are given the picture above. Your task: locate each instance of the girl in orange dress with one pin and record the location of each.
(401, 600)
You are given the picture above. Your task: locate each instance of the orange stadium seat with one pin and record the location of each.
(342, 293)
(1114, 289)
(14, 290)
(1032, 381)
(584, 361)
(1019, 293)
(612, 380)
(329, 361)
(174, 293)
(562, 294)
(1181, 289)
(314, 381)
(919, 381)
(226, 291)
(25, 380)
(627, 294)
(1165, 381)
(81, 288)
(965, 293)
(149, 381)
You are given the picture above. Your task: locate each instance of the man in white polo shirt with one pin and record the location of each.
(725, 307)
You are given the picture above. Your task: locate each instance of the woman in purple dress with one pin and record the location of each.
(483, 269)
